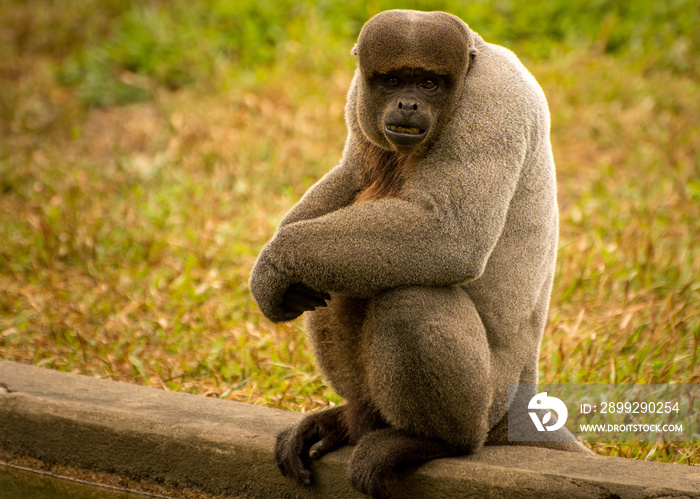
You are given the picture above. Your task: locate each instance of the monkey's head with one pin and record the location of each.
(412, 67)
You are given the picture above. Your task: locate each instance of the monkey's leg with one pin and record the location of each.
(379, 454)
(428, 364)
(335, 333)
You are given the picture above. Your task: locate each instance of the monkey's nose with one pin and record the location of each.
(408, 106)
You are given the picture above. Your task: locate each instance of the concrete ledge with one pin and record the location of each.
(224, 447)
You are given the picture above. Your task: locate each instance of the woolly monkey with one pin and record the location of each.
(425, 258)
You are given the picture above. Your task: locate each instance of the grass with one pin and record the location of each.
(149, 150)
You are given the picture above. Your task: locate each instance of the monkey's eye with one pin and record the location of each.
(391, 81)
(428, 84)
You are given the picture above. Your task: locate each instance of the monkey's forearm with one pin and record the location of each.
(362, 249)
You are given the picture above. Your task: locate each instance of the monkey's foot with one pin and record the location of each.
(315, 436)
(380, 454)
(369, 480)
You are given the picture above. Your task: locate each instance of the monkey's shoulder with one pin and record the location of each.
(498, 74)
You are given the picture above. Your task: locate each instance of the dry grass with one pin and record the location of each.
(127, 233)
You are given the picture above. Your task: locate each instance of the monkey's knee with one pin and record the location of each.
(429, 363)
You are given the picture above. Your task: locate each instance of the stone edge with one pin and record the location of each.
(224, 447)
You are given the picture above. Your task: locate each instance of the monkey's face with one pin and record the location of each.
(408, 102)
(412, 67)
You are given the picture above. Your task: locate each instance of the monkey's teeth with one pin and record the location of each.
(402, 129)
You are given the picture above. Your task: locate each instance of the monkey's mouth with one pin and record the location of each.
(404, 136)
(410, 130)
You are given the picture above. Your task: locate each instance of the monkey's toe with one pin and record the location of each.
(371, 482)
(331, 439)
(293, 466)
(369, 472)
(291, 459)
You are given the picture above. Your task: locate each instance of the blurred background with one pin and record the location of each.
(148, 149)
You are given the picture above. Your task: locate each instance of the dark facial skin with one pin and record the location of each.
(412, 98)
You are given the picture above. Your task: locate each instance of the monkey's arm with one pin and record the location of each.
(447, 221)
(441, 232)
(336, 189)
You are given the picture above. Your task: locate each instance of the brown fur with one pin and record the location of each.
(384, 172)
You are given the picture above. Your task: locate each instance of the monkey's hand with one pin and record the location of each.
(300, 298)
(277, 296)
(316, 435)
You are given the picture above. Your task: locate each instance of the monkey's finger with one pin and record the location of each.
(303, 290)
(301, 300)
(293, 308)
(302, 303)
(319, 297)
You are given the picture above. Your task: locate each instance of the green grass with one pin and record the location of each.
(149, 149)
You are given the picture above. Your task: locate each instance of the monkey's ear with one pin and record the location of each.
(354, 50)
